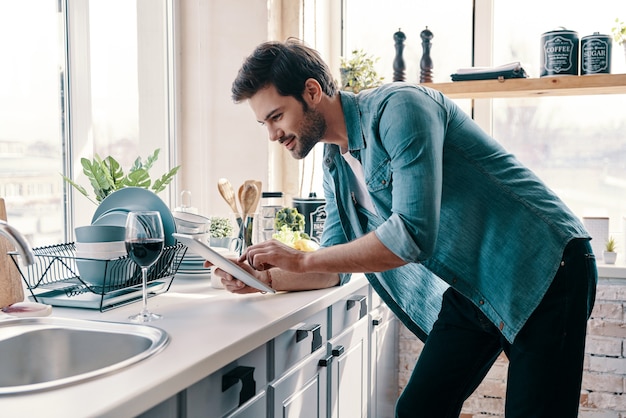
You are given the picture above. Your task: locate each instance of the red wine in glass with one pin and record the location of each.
(144, 244)
(144, 252)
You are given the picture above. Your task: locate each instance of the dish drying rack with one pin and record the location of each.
(54, 278)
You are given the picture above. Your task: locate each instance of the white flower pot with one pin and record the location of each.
(609, 257)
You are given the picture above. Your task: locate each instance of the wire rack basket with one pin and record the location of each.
(55, 279)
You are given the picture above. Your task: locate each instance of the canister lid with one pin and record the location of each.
(308, 200)
(561, 31)
(596, 35)
(271, 194)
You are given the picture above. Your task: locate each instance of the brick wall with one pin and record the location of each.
(604, 379)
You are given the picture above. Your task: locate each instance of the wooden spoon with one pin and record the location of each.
(248, 195)
(259, 187)
(227, 192)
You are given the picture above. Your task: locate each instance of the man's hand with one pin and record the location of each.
(234, 285)
(273, 253)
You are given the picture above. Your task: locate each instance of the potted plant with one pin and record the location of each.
(358, 73)
(609, 253)
(106, 176)
(619, 33)
(220, 232)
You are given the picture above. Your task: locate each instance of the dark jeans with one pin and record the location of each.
(545, 360)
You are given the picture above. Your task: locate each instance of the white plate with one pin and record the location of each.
(116, 206)
(223, 263)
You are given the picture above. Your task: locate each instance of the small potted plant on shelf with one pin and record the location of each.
(609, 253)
(619, 33)
(358, 73)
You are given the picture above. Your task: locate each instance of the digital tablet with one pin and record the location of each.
(222, 262)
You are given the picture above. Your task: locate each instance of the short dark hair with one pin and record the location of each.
(286, 65)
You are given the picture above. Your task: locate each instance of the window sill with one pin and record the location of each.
(612, 271)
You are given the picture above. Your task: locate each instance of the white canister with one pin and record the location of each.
(598, 228)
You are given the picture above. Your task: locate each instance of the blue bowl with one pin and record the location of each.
(100, 233)
(94, 272)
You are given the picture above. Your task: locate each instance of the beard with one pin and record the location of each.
(312, 130)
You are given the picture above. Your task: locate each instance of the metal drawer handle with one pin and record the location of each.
(358, 299)
(377, 321)
(337, 351)
(246, 375)
(325, 362)
(316, 330)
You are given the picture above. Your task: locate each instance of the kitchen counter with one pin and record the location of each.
(208, 329)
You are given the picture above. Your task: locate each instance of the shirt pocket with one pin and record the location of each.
(380, 176)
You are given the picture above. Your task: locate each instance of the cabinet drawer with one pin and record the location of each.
(230, 387)
(349, 372)
(302, 392)
(300, 341)
(254, 408)
(349, 310)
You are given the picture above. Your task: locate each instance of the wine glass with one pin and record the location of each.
(144, 244)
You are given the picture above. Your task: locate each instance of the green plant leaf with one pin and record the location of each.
(98, 177)
(114, 172)
(358, 73)
(151, 159)
(80, 188)
(161, 183)
(137, 165)
(138, 178)
(107, 176)
(220, 227)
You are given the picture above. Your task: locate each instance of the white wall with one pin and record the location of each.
(216, 137)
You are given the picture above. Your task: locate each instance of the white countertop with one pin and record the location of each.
(208, 329)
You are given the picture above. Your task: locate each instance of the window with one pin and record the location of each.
(576, 144)
(86, 77)
(412, 17)
(30, 116)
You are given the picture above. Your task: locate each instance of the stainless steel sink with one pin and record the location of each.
(45, 353)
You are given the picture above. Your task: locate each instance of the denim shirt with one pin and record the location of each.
(451, 202)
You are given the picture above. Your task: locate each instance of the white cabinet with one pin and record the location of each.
(254, 408)
(299, 342)
(230, 390)
(383, 363)
(340, 362)
(349, 372)
(300, 384)
(349, 348)
(301, 392)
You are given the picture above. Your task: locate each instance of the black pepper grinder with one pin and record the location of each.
(398, 63)
(426, 63)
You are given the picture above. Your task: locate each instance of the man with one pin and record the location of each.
(467, 246)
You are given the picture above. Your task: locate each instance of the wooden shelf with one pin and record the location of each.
(534, 87)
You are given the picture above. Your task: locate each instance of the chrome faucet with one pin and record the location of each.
(17, 239)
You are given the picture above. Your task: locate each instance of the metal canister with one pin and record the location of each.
(595, 54)
(314, 211)
(559, 53)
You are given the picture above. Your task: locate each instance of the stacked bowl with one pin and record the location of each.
(192, 265)
(96, 245)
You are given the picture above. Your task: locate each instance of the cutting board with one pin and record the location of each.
(11, 288)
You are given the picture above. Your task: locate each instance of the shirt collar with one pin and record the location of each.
(352, 116)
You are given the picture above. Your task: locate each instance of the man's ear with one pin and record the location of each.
(312, 91)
